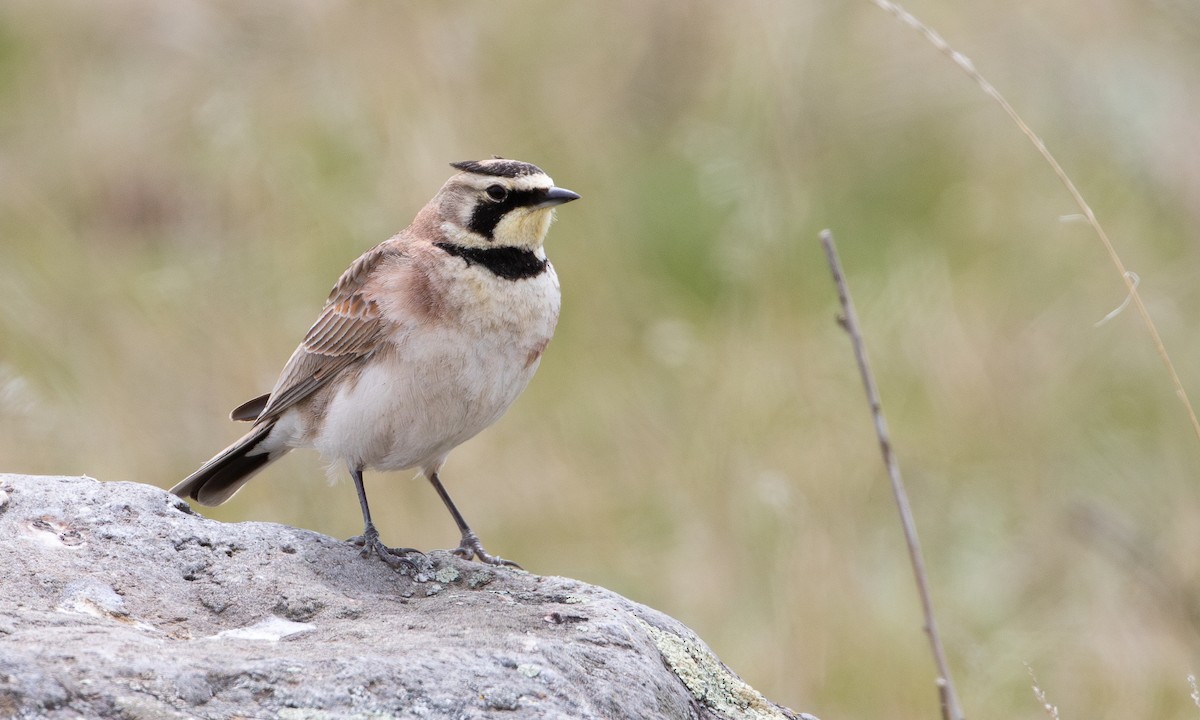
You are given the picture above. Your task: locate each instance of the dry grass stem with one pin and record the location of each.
(951, 710)
(1051, 710)
(1129, 278)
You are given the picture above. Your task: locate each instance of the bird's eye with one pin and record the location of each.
(497, 192)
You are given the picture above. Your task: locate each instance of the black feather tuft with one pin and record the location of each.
(498, 167)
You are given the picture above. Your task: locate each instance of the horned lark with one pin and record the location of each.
(425, 341)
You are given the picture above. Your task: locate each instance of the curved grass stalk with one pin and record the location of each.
(1129, 278)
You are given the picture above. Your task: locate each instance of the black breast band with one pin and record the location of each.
(510, 263)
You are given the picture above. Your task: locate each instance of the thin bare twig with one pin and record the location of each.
(964, 63)
(951, 710)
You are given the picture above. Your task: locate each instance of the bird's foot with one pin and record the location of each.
(396, 558)
(470, 547)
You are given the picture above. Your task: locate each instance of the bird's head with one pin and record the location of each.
(499, 203)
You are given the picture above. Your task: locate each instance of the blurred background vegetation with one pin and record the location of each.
(181, 183)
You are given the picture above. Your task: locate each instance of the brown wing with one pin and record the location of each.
(348, 330)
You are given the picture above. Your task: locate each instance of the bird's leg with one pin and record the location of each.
(470, 546)
(369, 540)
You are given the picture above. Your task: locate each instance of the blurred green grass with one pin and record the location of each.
(181, 183)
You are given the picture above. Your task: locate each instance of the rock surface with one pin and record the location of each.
(116, 601)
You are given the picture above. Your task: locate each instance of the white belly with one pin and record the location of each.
(434, 387)
(411, 410)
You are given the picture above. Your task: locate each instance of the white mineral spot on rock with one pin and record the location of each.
(272, 629)
(92, 597)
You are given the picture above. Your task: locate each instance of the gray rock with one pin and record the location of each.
(119, 602)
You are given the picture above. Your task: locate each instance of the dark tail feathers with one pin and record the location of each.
(218, 479)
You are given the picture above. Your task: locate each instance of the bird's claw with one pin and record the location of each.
(396, 558)
(470, 547)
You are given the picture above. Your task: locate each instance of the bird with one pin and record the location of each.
(425, 341)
